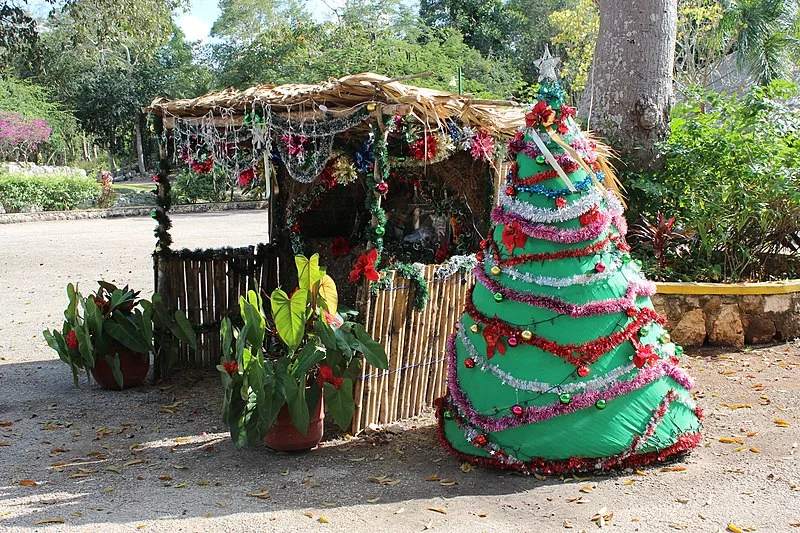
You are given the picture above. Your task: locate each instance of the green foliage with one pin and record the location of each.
(732, 179)
(291, 361)
(33, 101)
(577, 34)
(51, 193)
(95, 325)
(190, 187)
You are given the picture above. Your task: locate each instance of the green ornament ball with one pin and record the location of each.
(540, 159)
(498, 297)
(644, 331)
(565, 398)
(448, 415)
(600, 404)
(678, 350)
(153, 214)
(626, 259)
(380, 230)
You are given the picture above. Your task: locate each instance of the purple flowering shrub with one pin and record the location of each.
(20, 138)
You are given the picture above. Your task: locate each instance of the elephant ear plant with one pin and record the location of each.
(304, 350)
(95, 324)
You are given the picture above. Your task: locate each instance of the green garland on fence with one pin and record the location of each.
(410, 272)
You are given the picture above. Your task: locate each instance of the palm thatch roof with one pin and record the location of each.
(338, 97)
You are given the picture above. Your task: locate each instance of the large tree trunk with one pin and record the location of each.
(138, 136)
(627, 99)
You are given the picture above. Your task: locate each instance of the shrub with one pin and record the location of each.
(56, 193)
(190, 187)
(732, 180)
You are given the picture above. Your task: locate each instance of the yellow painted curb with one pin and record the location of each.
(769, 287)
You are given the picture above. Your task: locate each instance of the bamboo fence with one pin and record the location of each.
(415, 346)
(207, 289)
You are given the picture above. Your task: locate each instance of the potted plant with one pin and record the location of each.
(276, 370)
(111, 333)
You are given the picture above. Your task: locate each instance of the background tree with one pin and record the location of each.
(627, 99)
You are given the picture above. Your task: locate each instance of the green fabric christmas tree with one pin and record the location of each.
(559, 362)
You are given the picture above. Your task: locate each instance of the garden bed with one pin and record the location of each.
(730, 314)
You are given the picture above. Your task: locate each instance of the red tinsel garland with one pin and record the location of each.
(589, 352)
(684, 442)
(598, 247)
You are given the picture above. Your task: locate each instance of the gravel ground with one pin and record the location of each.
(156, 458)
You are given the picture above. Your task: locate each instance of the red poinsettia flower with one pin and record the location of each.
(326, 376)
(231, 367)
(644, 355)
(340, 247)
(72, 340)
(541, 113)
(513, 237)
(565, 112)
(365, 266)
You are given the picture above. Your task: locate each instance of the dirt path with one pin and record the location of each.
(157, 459)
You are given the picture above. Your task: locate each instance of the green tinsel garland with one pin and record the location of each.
(410, 272)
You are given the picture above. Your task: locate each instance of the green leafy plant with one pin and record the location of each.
(732, 181)
(54, 193)
(95, 325)
(191, 187)
(305, 348)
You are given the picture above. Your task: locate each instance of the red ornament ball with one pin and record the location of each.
(469, 362)
(480, 440)
(583, 371)
(631, 311)
(382, 187)
(511, 191)
(512, 341)
(600, 266)
(479, 256)
(561, 202)
(517, 410)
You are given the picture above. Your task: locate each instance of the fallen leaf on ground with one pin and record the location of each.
(203, 483)
(433, 477)
(262, 494)
(383, 480)
(322, 520)
(437, 510)
(630, 481)
(466, 468)
(733, 528)
(401, 510)
(568, 524)
(731, 440)
(538, 476)
(673, 469)
(5, 423)
(781, 423)
(587, 489)
(309, 515)
(640, 473)
(602, 516)
(107, 490)
(27, 483)
(165, 478)
(5, 443)
(448, 482)
(134, 462)
(207, 515)
(49, 521)
(755, 450)
(76, 514)
(374, 500)
(113, 468)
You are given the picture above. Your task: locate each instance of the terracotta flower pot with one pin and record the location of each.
(134, 368)
(284, 437)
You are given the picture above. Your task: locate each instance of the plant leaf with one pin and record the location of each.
(296, 402)
(290, 316)
(116, 369)
(340, 403)
(308, 273)
(122, 330)
(330, 297)
(373, 351)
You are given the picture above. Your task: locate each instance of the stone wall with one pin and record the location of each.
(730, 319)
(34, 170)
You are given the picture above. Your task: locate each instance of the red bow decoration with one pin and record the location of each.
(365, 266)
(589, 216)
(644, 355)
(566, 112)
(513, 237)
(492, 337)
(326, 376)
(541, 113)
